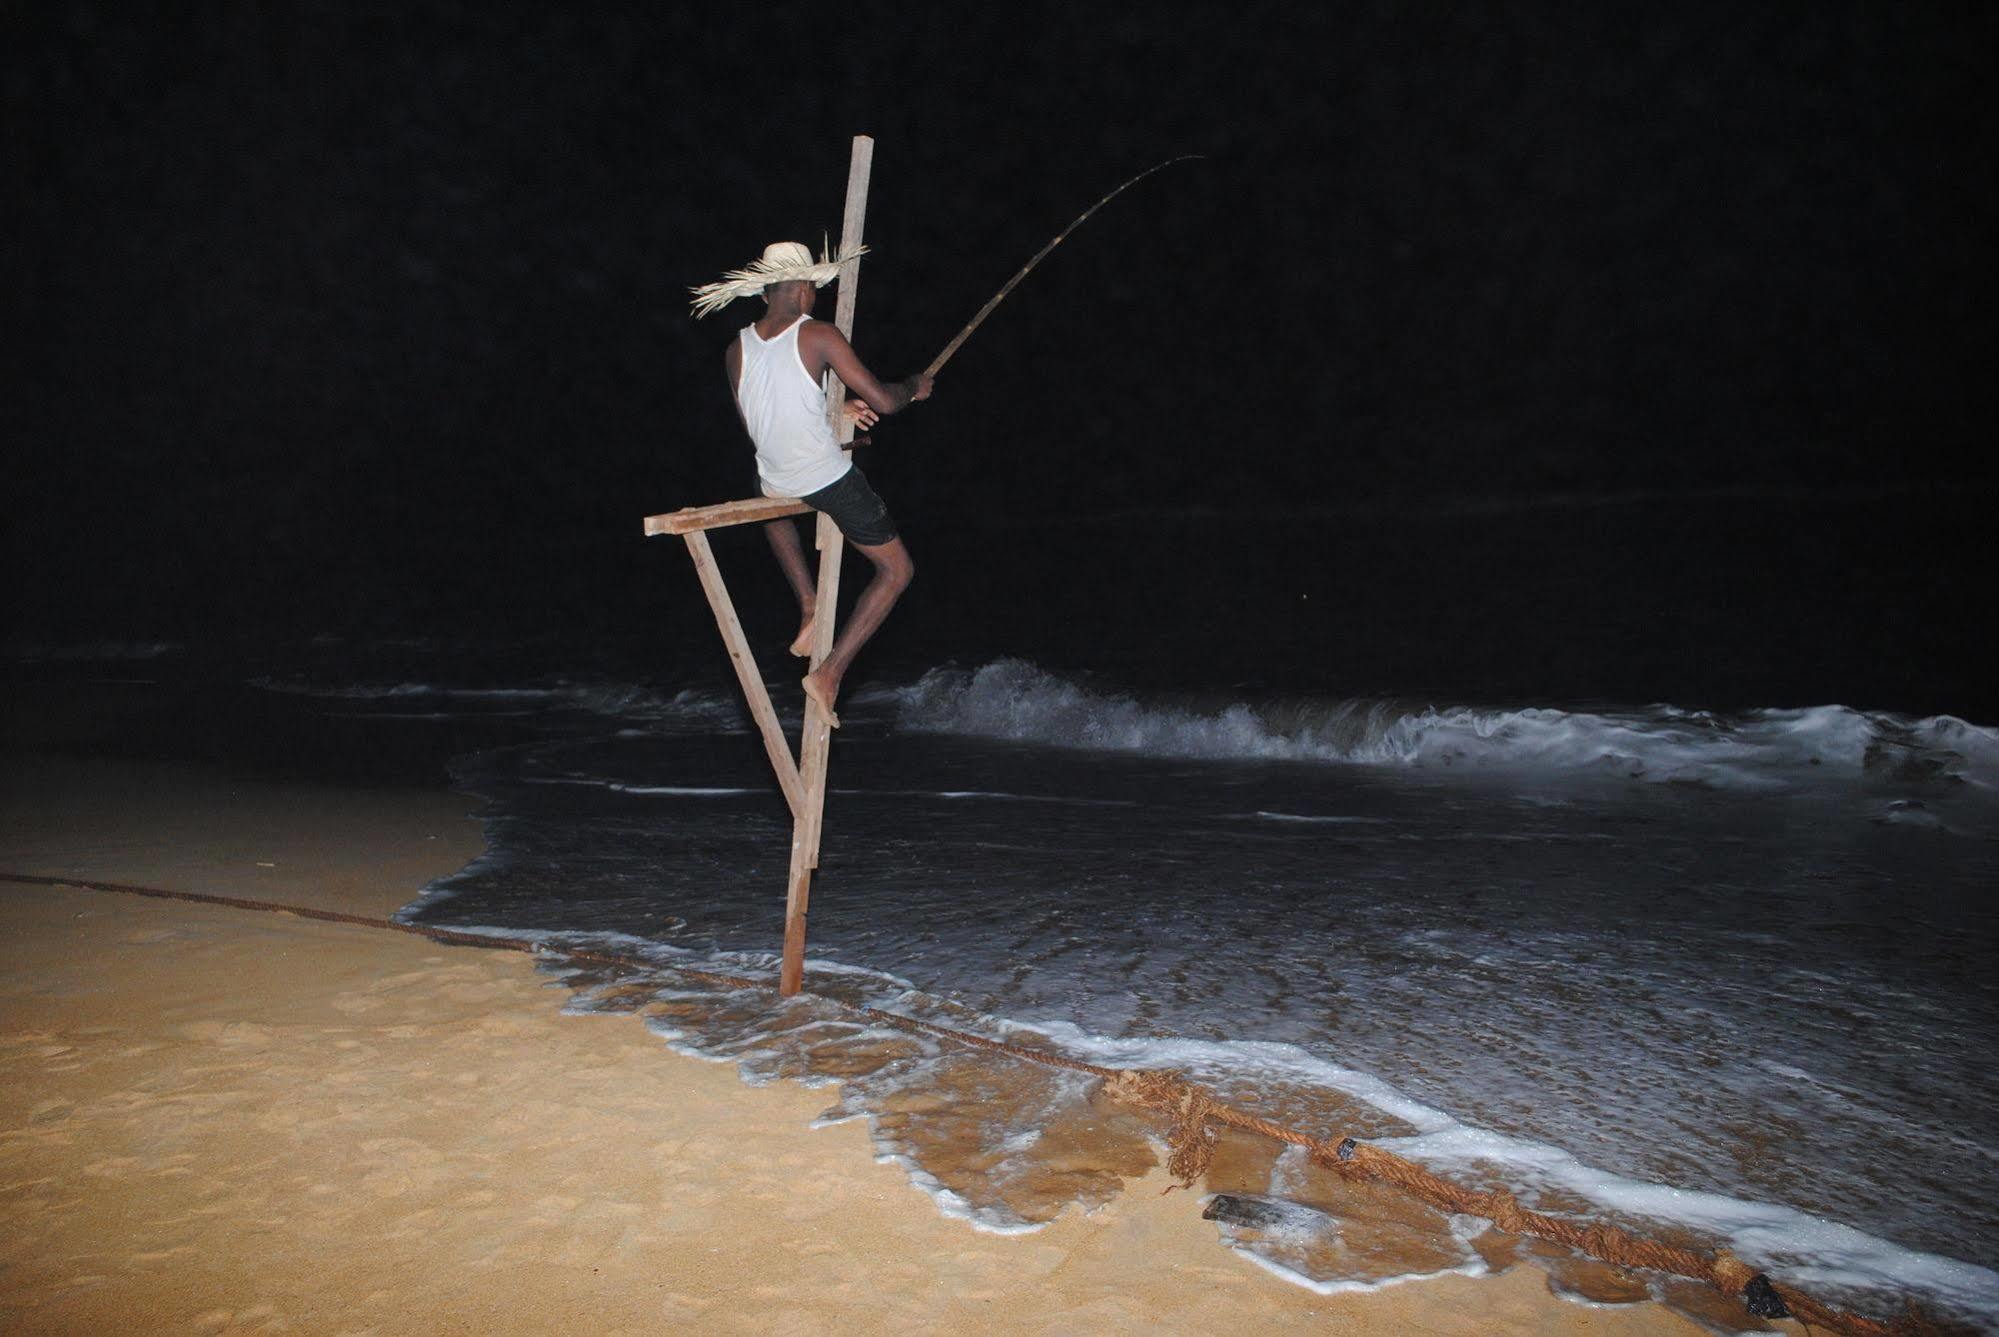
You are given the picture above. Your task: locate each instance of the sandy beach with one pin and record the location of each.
(220, 1121)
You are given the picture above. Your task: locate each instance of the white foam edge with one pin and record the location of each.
(1474, 1266)
(391, 691)
(1327, 818)
(672, 1037)
(996, 795)
(713, 791)
(663, 955)
(949, 1203)
(668, 956)
(620, 787)
(1753, 1229)
(1287, 1058)
(1792, 1243)
(444, 888)
(1567, 1295)
(1762, 749)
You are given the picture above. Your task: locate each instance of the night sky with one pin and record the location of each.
(339, 316)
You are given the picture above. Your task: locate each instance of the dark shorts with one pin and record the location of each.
(855, 508)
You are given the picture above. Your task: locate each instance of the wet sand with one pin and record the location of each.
(221, 1121)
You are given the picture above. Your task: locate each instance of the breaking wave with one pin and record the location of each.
(1755, 749)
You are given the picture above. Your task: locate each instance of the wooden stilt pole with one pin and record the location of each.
(816, 738)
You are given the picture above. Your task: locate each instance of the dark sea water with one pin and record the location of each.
(1636, 852)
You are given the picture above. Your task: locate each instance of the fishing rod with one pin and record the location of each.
(951, 348)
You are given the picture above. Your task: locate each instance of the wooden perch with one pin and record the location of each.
(694, 519)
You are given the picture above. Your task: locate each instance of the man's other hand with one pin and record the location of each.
(924, 382)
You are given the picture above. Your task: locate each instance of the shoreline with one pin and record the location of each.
(232, 1121)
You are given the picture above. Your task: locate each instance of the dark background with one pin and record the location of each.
(1644, 346)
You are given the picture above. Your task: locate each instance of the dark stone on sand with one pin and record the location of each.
(1762, 1300)
(1237, 1209)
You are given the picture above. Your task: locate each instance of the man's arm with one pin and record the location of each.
(732, 363)
(822, 346)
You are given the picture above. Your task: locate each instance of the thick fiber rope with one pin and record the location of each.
(1194, 1114)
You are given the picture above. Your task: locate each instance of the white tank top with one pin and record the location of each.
(785, 410)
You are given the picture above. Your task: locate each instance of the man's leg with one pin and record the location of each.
(893, 570)
(790, 552)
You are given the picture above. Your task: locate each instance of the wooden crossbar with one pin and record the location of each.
(694, 519)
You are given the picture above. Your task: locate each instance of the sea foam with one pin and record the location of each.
(1771, 748)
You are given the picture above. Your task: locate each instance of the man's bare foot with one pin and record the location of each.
(801, 644)
(823, 693)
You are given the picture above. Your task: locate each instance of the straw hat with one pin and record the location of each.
(782, 262)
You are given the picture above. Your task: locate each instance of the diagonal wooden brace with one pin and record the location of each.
(746, 672)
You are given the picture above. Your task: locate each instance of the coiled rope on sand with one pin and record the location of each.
(1194, 1114)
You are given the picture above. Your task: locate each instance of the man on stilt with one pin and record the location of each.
(776, 368)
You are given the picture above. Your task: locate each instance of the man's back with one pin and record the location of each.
(784, 409)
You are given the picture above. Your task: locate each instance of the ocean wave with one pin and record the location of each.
(1755, 749)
